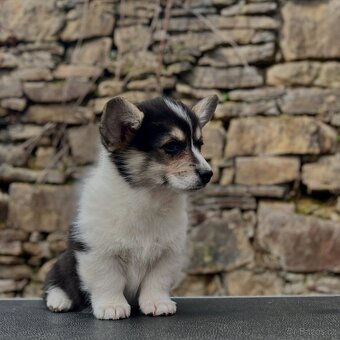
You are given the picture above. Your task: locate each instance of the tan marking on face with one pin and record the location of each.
(181, 164)
(198, 133)
(174, 134)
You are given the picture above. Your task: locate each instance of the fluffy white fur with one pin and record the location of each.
(57, 300)
(136, 239)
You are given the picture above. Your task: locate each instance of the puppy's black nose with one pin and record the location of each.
(205, 175)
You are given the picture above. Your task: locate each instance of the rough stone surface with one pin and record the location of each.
(23, 132)
(135, 65)
(8, 235)
(7, 285)
(256, 95)
(33, 74)
(84, 143)
(93, 52)
(16, 104)
(10, 174)
(245, 282)
(13, 154)
(10, 87)
(250, 8)
(95, 21)
(77, 71)
(196, 25)
(132, 39)
(57, 92)
(230, 110)
(109, 88)
(301, 73)
(224, 198)
(226, 56)
(323, 285)
(13, 248)
(16, 272)
(266, 170)
(213, 135)
(301, 243)
(278, 136)
(44, 157)
(198, 285)
(227, 176)
(151, 84)
(329, 75)
(274, 191)
(310, 31)
(41, 275)
(220, 245)
(207, 77)
(30, 20)
(133, 96)
(59, 114)
(191, 43)
(322, 175)
(310, 101)
(40, 207)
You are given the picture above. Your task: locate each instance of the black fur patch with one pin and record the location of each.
(118, 159)
(74, 243)
(64, 273)
(158, 120)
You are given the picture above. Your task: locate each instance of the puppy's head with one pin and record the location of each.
(158, 142)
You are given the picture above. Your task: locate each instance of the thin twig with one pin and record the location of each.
(63, 151)
(163, 41)
(77, 47)
(32, 142)
(118, 62)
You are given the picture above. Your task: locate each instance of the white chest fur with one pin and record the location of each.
(136, 225)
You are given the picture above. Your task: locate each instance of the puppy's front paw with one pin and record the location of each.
(160, 307)
(112, 312)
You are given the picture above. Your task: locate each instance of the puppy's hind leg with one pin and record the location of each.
(57, 300)
(62, 286)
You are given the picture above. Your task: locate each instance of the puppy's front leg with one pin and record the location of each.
(103, 276)
(154, 295)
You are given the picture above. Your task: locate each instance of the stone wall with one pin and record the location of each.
(270, 222)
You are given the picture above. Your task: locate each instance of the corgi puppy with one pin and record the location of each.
(128, 241)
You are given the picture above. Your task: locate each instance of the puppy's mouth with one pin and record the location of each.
(195, 188)
(183, 183)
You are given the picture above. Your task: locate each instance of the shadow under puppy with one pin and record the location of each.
(128, 241)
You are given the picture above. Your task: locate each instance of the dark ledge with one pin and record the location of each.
(197, 318)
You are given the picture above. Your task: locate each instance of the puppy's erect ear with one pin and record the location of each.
(205, 109)
(119, 122)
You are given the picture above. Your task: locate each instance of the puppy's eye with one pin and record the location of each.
(173, 148)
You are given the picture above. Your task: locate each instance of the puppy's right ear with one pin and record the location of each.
(119, 122)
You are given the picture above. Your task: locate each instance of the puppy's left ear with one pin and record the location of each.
(120, 121)
(205, 109)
